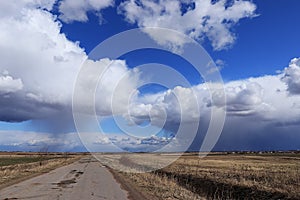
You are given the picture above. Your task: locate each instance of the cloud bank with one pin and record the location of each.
(39, 68)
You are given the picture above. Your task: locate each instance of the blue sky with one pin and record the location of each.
(264, 44)
(255, 44)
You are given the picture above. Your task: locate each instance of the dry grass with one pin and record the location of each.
(271, 174)
(250, 176)
(29, 165)
(269, 177)
(161, 186)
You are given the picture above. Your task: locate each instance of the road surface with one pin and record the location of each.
(83, 180)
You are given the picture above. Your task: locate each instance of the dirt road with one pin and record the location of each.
(83, 180)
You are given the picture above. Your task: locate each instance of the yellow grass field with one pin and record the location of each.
(218, 176)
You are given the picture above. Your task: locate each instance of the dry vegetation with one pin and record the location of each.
(15, 167)
(249, 176)
(160, 186)
(216, 176)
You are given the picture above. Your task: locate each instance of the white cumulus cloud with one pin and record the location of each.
(14, 8)
(43, 65)
(265, 97)
(292, 76)
(77, 10)
(199, 19)
(8, 84)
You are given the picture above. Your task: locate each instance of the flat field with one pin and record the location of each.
(216, 176)
(186, 177)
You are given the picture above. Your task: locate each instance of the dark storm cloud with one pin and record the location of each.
(251, 135)
(17, 108)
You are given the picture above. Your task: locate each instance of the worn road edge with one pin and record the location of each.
(134, 192)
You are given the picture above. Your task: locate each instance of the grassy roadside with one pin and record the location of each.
(6, 161)
(20, 168)
(134, 192)
(159, 187)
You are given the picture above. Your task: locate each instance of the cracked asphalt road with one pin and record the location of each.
(83, 180)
